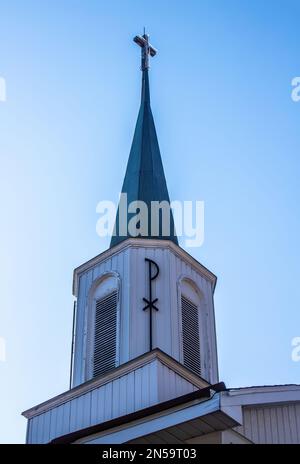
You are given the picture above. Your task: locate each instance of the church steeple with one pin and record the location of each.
(144, 336)
(145, 179)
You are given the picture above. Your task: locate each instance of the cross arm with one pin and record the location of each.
(142, 42)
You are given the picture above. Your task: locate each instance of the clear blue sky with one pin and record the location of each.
(229, 135)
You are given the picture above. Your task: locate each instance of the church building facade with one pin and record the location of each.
(144, 363)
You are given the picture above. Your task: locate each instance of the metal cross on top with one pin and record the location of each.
(147, 49)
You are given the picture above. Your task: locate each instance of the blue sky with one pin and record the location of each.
(229, 135)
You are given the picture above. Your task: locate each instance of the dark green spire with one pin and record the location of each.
(144, 179)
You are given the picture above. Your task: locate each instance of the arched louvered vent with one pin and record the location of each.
(190, 336)
(105, 341)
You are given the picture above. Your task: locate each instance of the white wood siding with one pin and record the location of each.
(142, 387)
(275, 424)
(130, 265)
(171, 385)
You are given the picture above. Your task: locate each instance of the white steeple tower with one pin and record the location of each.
(181, 322)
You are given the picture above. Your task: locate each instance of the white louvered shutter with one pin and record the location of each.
(105, 341)
(190, 336)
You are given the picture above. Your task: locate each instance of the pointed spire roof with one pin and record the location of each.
(145, 179)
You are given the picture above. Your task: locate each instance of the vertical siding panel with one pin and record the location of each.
(133, 304)
(186, 387)
(114, 264)
(79, 406)
(194, 388)
(171, 385)
(166, 295)
(189, 387)
(66, 418)
(79, 324)
(297, 413)
(271, 424)
(268, 425)
(29, 431)
(87, 409)
(100, 404)
(53, 417)
(122, 395)
(73, 415)
(207, 334)
(35, 429)
(275, 438)
(46, 430)
(281, 434)
(94, 406)
(171, 380)
(108, 402)
(287, 425)
(125, 313)
(161, 318)
(179, 267)
(138, 389)
(80, 412)
(108, 264)
(136, 304)
(118, 266)
(261, 425)
(292, 422)
(80, 310)
(158, 317)
(247, 423)
(40, 428)
(130, 393)
(160, 381)
(254, 425)
(178, 385)
(143, 316)
(153, 378)
(175, 334)
(115, 398)
(186, 268)
(182, 387)
(89, 282)
(96, 272)
(145, 386)
(59, 421)
(85, 361)
(124, 307)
